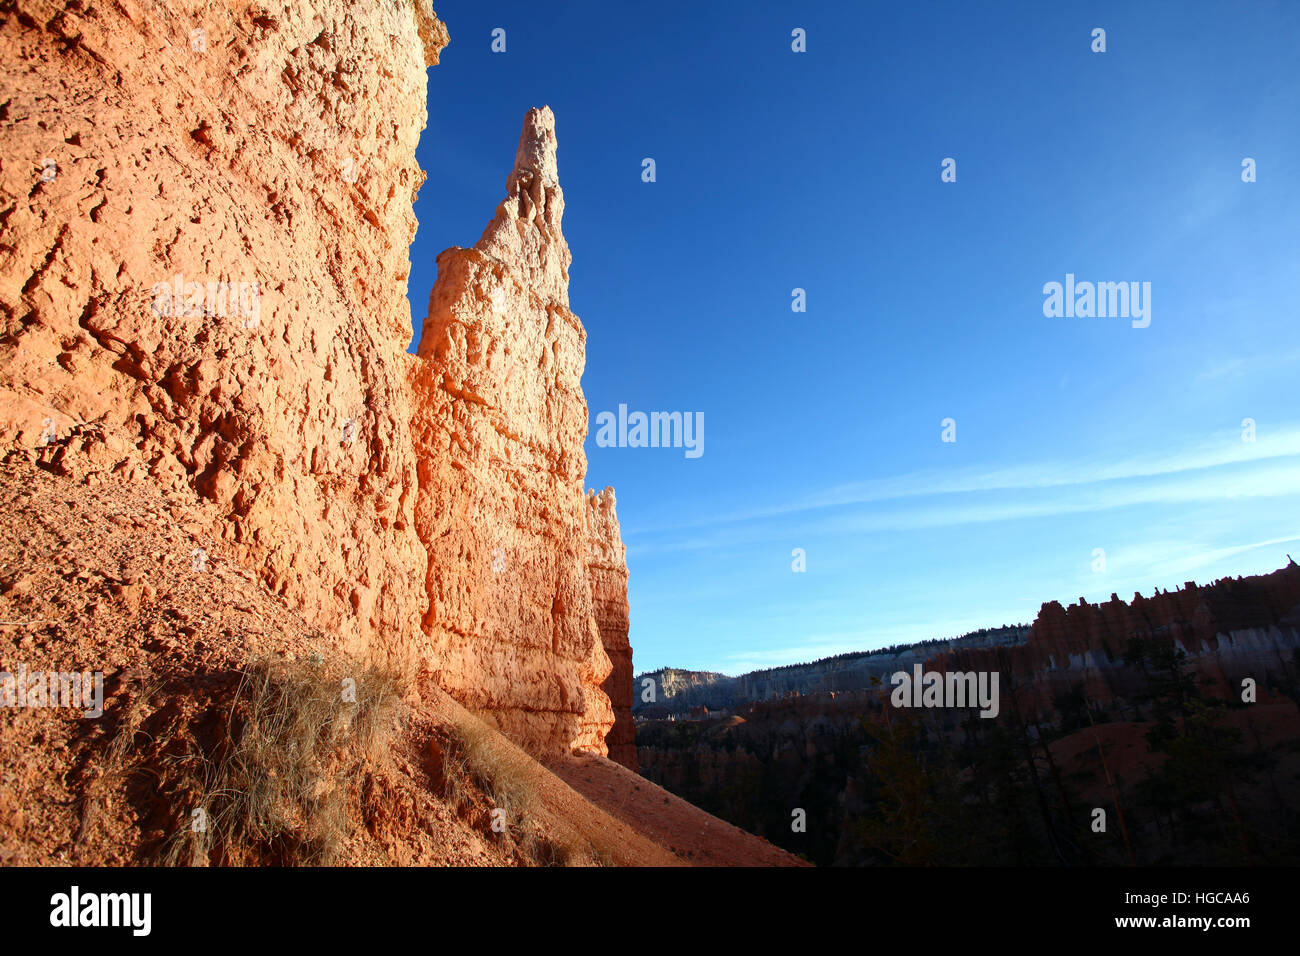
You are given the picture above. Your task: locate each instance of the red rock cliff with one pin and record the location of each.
(206, 211)
(607, 572)
(205, 215)
(1230, 629)
(499, 425)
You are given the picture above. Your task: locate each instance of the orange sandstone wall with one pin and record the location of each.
(205, 213)
(499, 425)
(607, 573)
(205, 216)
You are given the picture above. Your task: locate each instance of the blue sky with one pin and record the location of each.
(821, 170)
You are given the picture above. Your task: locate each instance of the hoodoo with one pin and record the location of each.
(499, 425)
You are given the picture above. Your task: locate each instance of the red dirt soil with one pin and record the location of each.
(685, 829)
(103, 578)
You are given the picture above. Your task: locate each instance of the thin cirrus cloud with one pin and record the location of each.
(1265, 480)
(1237, 367)
(1168, 561)
(1225, 451)
(1212, 472)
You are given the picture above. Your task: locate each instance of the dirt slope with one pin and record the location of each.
(685, 829)
(106, 578)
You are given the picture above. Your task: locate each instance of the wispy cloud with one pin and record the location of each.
(1166, 561)
(1224, 468)
(1241, 365)
(1228, 450)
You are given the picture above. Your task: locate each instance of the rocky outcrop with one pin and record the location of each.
(499, 424)
(1231, 629)
(1066, 692)
(203, 267)
(206, 213)
(607, 574)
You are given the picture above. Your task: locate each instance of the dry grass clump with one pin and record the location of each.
(280, 787)
(476, 763)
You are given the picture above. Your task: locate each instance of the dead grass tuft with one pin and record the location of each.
(281, 786)
(476, 766)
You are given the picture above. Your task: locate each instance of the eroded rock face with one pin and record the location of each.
(206, 214)
(607, 573)
(499, 424)
(1230, 629)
